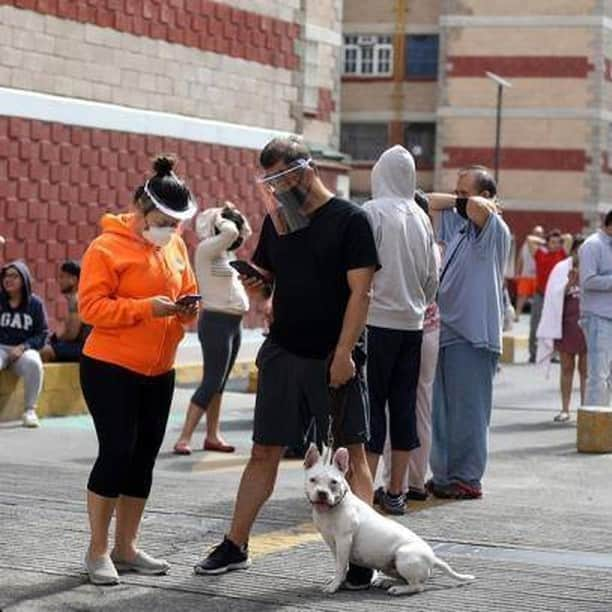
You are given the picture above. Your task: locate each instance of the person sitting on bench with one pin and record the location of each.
(67, 344)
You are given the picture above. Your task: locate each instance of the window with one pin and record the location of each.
(420, 140)
(368, 55)
(422, 56)
(363, 141)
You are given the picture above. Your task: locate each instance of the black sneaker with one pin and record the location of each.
(393, 504)
(224, 558)
(378, 496)
(416, 494)
(358, 578)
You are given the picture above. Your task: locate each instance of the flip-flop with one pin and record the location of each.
(218, 447)
(182, 448)
(562, 417)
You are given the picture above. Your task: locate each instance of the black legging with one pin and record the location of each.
(130, 412)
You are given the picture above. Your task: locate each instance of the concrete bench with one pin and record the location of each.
(594, 429)
(61, 393)
(512, 347)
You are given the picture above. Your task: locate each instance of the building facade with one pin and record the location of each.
(414, 73)
(90, 91)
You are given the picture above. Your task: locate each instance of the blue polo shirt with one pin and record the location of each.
(471, 295)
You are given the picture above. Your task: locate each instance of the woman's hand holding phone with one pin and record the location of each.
(188, 306)
(163, 306)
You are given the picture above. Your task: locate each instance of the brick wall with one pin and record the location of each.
(235, 62)
(69, 58)
(61, 179)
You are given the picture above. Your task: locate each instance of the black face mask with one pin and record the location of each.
(461, 206)
(292, 197)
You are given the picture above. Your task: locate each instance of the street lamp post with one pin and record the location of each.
(501, 83)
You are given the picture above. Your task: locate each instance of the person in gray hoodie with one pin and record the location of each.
(403, 288)
(23, 331)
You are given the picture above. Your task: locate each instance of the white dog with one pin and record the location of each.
(355, 532)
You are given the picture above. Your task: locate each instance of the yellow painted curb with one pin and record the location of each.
(61, 393)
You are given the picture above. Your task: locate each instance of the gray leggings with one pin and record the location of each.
(220, 334)
(29, 367)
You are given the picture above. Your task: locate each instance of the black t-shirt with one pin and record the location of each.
(311, 290)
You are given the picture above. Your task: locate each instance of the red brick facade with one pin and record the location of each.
(60, 179)
(200, 24)
(516, 158)
(520, 66)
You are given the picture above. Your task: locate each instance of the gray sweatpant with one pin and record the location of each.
(29, 367)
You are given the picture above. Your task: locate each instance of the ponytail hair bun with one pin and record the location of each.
(163, 165)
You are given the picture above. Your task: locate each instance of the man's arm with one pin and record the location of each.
(360, 284)
(534, 243)
(590, 278)
(568, 242)
(477, 209)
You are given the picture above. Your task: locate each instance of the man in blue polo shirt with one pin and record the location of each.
(476, 245)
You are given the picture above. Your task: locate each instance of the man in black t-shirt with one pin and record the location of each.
(319, 253)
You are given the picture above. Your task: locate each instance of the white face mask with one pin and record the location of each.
(159, 236)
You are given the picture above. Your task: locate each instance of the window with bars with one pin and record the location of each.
(422, 56)
(420, 140)
(366, 55)
(364, 141)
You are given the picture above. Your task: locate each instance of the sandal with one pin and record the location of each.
(218, 447)
(562, 417)
(182, 448)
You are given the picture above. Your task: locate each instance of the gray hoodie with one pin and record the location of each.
(408, 280)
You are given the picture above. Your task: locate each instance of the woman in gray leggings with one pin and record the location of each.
(221, 231)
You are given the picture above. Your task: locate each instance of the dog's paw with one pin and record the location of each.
(381, 582)
(406, 589)
(331, 587)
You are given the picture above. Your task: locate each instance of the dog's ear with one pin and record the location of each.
(341, 460)
(312, 456)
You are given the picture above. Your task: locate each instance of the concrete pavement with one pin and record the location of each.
(538, 540)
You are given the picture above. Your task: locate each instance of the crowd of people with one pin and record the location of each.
(385, 331)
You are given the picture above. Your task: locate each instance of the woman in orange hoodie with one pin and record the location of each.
(132, 276)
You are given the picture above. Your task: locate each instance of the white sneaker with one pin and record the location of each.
(30, 419)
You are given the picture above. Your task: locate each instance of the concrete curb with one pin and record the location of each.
(61, 394)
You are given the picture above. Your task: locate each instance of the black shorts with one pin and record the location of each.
(293, 400)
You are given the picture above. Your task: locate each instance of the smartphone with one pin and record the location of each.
(244, 268)
(188, 300)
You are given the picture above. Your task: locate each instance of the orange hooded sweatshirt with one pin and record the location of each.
(120, 274)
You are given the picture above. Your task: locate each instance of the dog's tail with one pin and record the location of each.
(449, 571)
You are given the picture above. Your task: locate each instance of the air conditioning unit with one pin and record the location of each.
(366, 40)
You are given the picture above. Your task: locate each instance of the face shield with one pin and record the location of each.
(285, 198)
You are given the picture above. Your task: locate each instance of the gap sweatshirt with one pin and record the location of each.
(26, 324)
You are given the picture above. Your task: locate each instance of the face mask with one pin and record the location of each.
(294, 197)
(288, 215)
(286, 206)
(159, 236)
